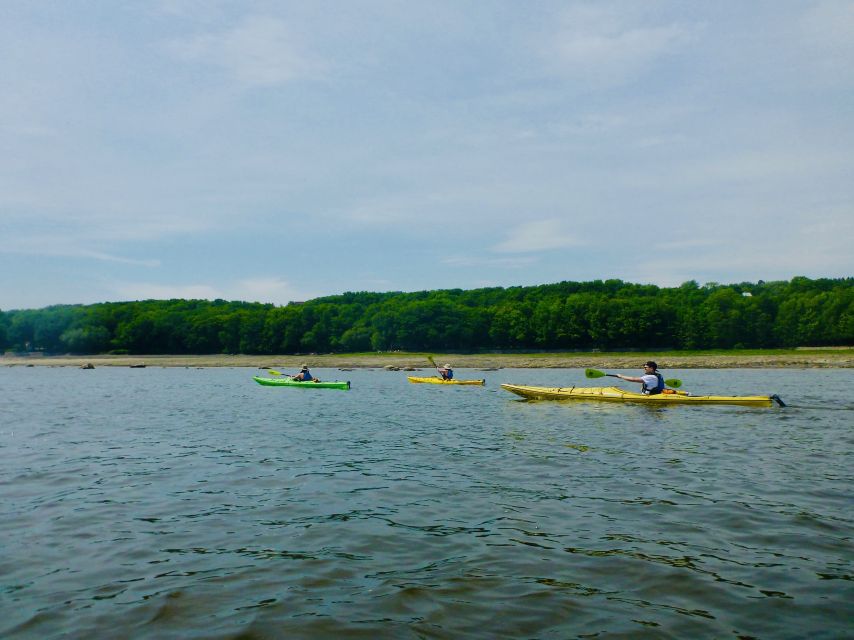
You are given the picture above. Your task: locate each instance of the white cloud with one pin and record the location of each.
(781, 254)
(66, 247)
(106, 257)
(407, 146)
(683, 244)
(267, 290)
(607, 45)
(379, 212)
(827, 29)
(149, 291)
(748, 166)
(591, 125)
(419, 207)
(260, 51)
(476, 261)
(541, 235)
(95, 234)
(273, 290)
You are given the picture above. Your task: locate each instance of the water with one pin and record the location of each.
(193, 503)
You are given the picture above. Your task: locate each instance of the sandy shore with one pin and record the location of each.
(803, 358)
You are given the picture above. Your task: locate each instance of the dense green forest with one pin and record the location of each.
(606, 315)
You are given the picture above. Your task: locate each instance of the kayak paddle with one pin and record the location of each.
(594, 373)
(433, 362)
(274, 372)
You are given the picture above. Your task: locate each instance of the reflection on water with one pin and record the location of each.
(169, 503)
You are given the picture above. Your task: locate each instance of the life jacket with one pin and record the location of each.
(306, 376)
(447, 374)
(657, 388)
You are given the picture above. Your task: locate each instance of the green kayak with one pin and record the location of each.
(288, 382)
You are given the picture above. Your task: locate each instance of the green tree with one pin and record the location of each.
(85, 340)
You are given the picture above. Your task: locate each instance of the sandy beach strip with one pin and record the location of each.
(799, 358)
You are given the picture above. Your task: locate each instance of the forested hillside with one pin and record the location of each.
(605, 315)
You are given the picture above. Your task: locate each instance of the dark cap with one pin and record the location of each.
(651, 364)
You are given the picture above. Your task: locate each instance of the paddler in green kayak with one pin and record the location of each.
(304, 375)
(652, 380)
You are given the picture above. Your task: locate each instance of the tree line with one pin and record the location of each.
(601, 314)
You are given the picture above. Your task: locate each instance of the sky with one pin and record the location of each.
(279, 151)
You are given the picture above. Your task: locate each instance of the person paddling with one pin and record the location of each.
(652, 380)
(304, 375)
(446, 372)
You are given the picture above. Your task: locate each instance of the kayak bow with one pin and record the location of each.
(615, 394)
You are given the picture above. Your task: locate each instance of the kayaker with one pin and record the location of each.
(652, 380)
(446, 372)
(304, 374)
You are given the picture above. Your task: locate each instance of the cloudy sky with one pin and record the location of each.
(275, 151)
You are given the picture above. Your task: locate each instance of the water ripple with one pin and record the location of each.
(177, 504)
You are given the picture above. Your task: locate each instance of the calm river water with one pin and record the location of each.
(194, 503)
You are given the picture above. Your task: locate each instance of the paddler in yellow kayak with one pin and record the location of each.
(652, 380)
(446, 372)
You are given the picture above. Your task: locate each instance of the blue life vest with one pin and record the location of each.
(306, 376)
(657, 388)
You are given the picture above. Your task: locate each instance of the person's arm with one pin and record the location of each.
(629, 378)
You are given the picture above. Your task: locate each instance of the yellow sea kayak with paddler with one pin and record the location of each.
(615, 394)
(434, 380)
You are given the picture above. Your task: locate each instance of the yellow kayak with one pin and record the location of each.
(435, 380)
(615, 394)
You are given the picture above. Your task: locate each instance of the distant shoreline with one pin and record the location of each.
(798, 358)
